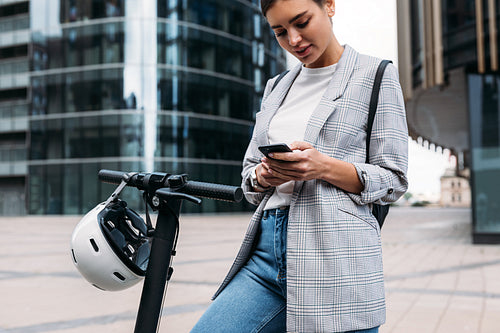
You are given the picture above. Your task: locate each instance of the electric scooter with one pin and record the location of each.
(164, 193)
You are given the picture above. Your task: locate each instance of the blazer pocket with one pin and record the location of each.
(366, 218)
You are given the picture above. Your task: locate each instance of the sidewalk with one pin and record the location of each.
(436, 280)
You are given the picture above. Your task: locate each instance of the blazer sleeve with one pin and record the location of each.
(252, 159)
(384, 178)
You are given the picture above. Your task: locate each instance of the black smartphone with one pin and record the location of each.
(276, 148)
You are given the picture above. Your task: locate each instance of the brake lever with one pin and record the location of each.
(167, 193)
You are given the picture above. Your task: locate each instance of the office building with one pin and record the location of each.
(448, 63)
(131, 85)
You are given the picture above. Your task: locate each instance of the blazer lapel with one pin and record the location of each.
(334, 91)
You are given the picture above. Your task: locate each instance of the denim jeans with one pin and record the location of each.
(255, 299)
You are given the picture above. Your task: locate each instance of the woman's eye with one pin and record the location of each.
(280, 33)
(302, 25)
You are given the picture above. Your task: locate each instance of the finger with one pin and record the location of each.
(264, 172)
(272, 180)
(287, 174)
(283, 166)
(283, 157)
(265, 163)
(300, 145)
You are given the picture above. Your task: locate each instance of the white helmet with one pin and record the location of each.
(110, 246)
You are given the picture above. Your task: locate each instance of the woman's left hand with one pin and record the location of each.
(305, 163)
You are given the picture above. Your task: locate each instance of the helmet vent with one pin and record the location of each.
(94, 245)
(118, 275)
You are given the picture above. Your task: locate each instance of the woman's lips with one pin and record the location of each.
(303, 51)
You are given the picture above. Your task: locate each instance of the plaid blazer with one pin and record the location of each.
(335, 281)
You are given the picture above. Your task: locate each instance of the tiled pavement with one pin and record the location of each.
(436, 280)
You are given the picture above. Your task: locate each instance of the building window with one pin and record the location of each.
(484, 113)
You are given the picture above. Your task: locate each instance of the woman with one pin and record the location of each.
(311, 260)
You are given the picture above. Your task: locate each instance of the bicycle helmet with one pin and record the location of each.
(110, 246)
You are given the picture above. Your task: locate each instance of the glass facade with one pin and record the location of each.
(459, 33)
(136, 85)
(14, 105)
(484, 107)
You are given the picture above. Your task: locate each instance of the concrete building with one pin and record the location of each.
(455, 191)
(132, 85)
(449, 71)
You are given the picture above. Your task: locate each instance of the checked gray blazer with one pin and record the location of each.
(335, 281)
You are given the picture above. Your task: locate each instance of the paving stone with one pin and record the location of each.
(436, 280)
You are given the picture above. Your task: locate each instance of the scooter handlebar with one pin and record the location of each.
(213, 191)
(195, 188)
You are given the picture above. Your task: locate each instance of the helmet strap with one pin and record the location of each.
(148, 218)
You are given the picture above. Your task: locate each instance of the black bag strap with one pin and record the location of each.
(373, 103)
(279, 79)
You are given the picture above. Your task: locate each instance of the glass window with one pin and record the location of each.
(78, 10)
(80, 91)
(90, 186)
(54, 189)
(71, 189)
(37, 185)
(204, 94)
(484, 112)
(458, 14)
(229, 16)
(87, 137)
(459, 32)
(204, 50)
(201, 138)
(93, 43)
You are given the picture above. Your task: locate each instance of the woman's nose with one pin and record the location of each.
(294, 38)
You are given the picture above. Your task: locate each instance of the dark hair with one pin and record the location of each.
(266, 4)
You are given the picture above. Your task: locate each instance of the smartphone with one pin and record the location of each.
(276, 148)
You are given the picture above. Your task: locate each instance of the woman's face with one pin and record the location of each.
(304, 29)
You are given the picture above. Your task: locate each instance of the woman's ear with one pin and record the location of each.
(330, 7)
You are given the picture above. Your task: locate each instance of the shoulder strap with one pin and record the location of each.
(279, 79)
(373, 103)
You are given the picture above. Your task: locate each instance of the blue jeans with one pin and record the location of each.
(255, 299)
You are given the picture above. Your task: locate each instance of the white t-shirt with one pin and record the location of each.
(290, 121)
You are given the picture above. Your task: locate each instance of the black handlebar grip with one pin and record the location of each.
(213, 191)
(197, 189)
(111, 177)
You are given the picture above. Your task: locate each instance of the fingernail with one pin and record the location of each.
(271, 155)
